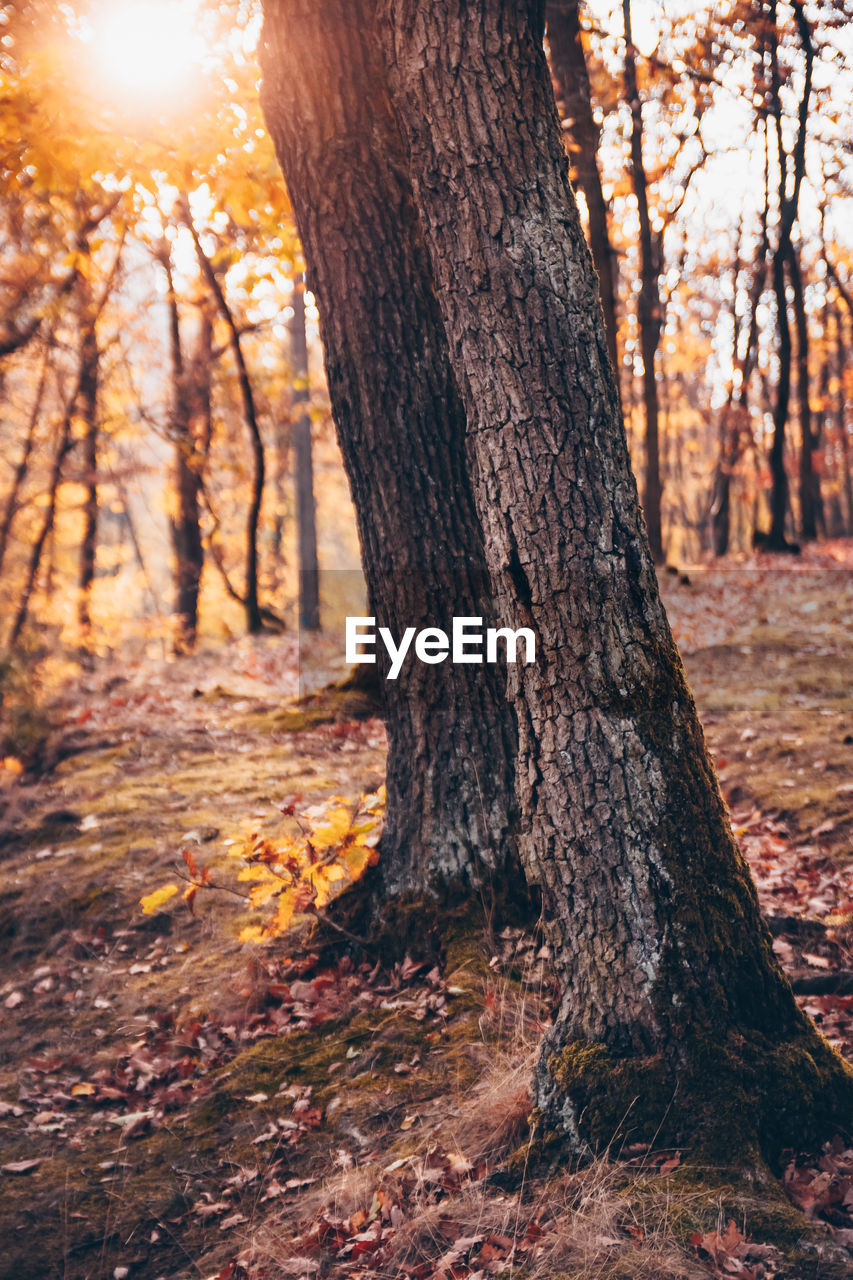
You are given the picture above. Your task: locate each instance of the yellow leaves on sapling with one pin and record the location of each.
(336, 844)
(296, 872)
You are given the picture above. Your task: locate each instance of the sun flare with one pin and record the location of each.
(147, 51)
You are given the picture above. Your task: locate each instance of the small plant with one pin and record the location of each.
(335, 842)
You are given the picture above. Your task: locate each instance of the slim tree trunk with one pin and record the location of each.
(88, 411)
(186, 530)
(778, 471)
(649, 309)
(841, 353)
(783, 258)
(571, 80)
(675, 1020)
(22, 466)
(254, 614)
(306, 510)
(65, 444)
(401, 428)
(811, 503)
(734, 428)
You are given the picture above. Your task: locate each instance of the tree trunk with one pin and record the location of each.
(186, 531)
(649, 310)
(675, 1020)
(306, 512)
(401, 428)
(254, 613)
(88, 411)
(841, 420)
(811, 503)
(735, 428)
(571, 80)
(782, 258)
(64, 446)
(778, 472)
(22, 466)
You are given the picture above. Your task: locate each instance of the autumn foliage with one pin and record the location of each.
(297, 874)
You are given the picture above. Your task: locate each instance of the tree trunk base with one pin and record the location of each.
(355, 698)
(454, 926)
(738, 1102)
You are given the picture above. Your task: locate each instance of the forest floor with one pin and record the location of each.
(176, 1104)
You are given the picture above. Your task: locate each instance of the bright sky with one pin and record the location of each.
(149, 51)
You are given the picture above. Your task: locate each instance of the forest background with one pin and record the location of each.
(156, 359)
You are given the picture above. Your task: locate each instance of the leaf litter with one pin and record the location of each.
(412, 1216)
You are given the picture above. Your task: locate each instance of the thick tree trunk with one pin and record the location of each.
(571, 80)
(649, 308)
(401, 428)
(675, 1020)
(306, 511)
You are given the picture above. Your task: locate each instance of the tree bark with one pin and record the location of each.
(649, 309)
(306, 511)
(734, 428)
(186, 529)
(88, 411)
(22, 466)
(65, 444)
(571, 80)
(841, 419)
(401, 428)
(782, 259)
(811, 503)
(254, 613)
(675, 1020)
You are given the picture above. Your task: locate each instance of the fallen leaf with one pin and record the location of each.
(22, 1166)
(152, 902)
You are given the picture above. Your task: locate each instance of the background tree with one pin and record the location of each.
(306, 512)
(571, 79)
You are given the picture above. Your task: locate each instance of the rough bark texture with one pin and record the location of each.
(571, 80)
(649, 308)
(675, 1019)
(401, 427)
(303, 462)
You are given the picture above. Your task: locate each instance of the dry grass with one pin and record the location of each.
(599, 1222)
